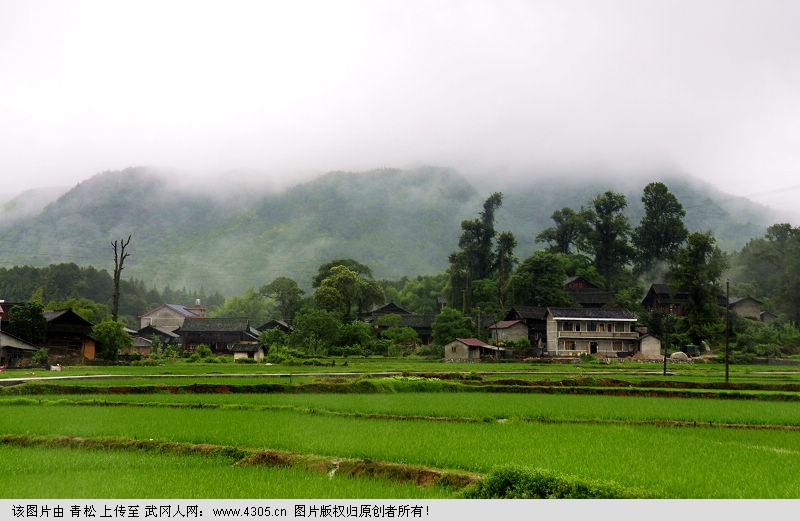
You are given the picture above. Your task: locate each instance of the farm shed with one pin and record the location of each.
(254, 351)
(469, 350)
(650, 347)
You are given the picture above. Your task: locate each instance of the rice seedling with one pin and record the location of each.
(672, 461)
(36, 472)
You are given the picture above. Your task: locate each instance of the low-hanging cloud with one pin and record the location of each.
(286, 90)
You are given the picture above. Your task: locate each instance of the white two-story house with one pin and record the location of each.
(573, 331)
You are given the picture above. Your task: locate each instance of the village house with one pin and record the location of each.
(587, 294)
(141, 346)
(15, 352)
(663, 298)
(170, 317)
(470, 350)
(535, 320)
(69, 336)
(574, 331)
(508, 331)
(746, 307)
(421, 324)
(220, 334)
(166, 337)
(275, 324)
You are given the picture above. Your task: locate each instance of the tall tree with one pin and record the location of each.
(504, 264)
(27, 322)
(564, 236)
(539, 281)
(251, 304)
(771, 266)
(475, 258)
(111, 338)
(695, 270)
(286, 294)
(449, 325)
(661, 230)
(606, 237)
(343, 289)
(119, 259)
(325, 270)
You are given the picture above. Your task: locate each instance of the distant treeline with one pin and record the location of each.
(67, 281)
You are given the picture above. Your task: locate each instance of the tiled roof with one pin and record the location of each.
(591, 296)
(142, 342)
(199, 324)
(51, 316)
(157, 330)
(245, 348)
(473, 342)
(528, 312)
(503, 324)
(735, 301)
(183, 310)
(592, 313)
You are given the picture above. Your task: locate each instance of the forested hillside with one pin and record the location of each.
(400, 223)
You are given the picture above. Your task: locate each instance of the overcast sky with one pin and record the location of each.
(294, 88)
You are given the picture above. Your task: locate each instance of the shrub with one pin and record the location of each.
(513, 482)
(203, 351)
(147, 362)
(431, 351)
(41, 357)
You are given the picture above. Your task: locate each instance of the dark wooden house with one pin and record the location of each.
(276, 324)
(220, 334)
(586, 294)
(663, 298)
(69, 336)
(166, 336)
(421, 324)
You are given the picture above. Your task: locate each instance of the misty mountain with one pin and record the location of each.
(399, 222)
(30, 203)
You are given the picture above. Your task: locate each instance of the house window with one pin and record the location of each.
(566, 326)
(591, 326)
(569, 344)
(616, 346)
(619, 327)
(453, 349)
(577, 326)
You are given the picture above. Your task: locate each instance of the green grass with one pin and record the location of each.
(669, 461)
(27, 472)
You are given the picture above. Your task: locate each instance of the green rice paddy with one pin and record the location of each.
(671, 447)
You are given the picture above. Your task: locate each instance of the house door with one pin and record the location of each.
(593, 348)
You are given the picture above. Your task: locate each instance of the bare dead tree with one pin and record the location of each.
(119, 258)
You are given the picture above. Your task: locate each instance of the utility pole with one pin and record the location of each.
(666, 338)
(727, 325)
